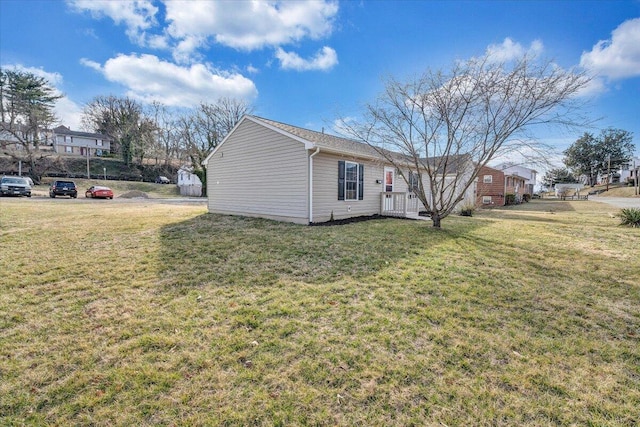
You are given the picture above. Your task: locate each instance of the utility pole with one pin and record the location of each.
(636, 182)
(608, 170)
(88, 174)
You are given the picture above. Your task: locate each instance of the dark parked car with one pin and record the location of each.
(14, 186)
(162, 180)
(99, 192)
(63, 188)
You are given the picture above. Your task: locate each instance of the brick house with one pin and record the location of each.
(494, 185)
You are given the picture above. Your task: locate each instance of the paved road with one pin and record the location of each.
(82, 199)
(619, 202)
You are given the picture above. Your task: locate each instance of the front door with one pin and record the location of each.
(388, 179)
(389, 175)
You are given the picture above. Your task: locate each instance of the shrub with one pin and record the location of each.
(630, 217)
(510, 199)
(526, 197)
(467, 210)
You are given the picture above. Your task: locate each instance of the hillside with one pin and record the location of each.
(99, 168)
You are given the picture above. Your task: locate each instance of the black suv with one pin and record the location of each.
(63, 188)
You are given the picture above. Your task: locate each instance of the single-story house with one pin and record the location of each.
(493, 186)
(189, 183)
(269, 169)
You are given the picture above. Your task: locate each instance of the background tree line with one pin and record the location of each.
(592, 156)
(139, 132)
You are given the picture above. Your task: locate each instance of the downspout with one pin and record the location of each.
(311, 184)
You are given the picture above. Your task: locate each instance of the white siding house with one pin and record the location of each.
(273, 170)
(529, 175)
(189, 183)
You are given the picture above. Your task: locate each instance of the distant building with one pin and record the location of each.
(494, 185)
(188, 182)
(9, 141)
(529, 175)
(568, 189)
(627, 172)
(67, 141)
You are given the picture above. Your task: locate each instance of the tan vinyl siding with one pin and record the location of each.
(325, 183)
(259, 172)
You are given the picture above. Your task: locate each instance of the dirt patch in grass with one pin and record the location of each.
(135, 194)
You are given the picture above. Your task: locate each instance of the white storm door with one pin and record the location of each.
(389, 178)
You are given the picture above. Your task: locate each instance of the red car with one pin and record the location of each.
(96, 191)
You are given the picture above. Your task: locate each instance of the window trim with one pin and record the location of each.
(342, 181)
(354, 181)
(487, 179)
(414, 182)
(486, 200)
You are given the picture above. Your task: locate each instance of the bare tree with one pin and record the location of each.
(166, 140)
(205, 128)
(446, 126)
(124, 120)
(26, 115)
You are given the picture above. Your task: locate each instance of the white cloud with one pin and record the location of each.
(618, 57)
(324, 60)
(148, 78)
(54, 79)
(137, 15)
(69, 113)
(251, 25)
(91, 64)
(190, 26)
(594, 87)
(510, 50)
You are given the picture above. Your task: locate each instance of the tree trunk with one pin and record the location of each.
(436, 220)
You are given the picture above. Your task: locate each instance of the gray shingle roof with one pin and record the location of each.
(324, 140)
(63, 130)
(351, 147)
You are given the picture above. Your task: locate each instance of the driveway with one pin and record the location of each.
(619, 202)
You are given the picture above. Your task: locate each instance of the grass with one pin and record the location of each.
(158, 314)
(158, 191)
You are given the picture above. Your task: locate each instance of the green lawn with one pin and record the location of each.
(119, 188)
(157, 314)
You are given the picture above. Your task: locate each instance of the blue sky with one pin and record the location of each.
(307, 62)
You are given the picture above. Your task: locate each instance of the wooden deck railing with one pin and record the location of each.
(400, 204)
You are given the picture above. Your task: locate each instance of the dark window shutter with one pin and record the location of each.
(341, 180)
(360, 181)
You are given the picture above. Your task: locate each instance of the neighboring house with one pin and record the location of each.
(494, 185)
(67, 141)
(188, 182)
(9, 141)
(627, 172)
(529, 175)
(570, 189)
(273, 170)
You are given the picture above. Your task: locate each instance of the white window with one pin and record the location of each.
(99, 142)
(486, 200)
(68, 149)
(351, 181)
(487, 179)
(414, 184)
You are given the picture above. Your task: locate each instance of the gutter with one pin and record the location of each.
(311, 184)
